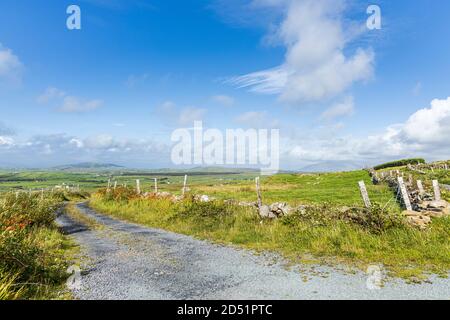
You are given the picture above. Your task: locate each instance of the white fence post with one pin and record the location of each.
(437, 190)
(185, 184)
(420, 187)
(258, 192)
(405, 195)
(364, 194)
(156, 185)
(138, 186)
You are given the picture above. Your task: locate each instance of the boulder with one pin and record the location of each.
(442, 204)
(280, 209)
(264, 212)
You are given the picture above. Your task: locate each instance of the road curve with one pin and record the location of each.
(128, 261)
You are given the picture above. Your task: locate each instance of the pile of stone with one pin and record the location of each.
(275, 210)
(427, 210)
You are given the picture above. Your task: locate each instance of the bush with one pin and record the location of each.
(399, 163)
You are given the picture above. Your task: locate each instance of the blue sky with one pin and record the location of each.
(138, 69)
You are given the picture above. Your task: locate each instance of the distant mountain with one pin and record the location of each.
(332, 166)
(88, 166)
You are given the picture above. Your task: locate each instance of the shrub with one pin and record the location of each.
(399, 163)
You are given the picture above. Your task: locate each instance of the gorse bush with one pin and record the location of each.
(29, 244)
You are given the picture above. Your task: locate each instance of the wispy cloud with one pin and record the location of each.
(68, 103)
(342, 109)
(134, 80)
(317, 63)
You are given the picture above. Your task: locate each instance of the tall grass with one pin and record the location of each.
(32, 250)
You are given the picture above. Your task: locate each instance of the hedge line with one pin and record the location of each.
(399, 163)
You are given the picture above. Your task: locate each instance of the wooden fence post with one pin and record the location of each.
(420, 187)
(185, 184)
(437, 190)
(156, 185)
(115, 185)
(138, 186)
(364, 194)
(258, 192)
(405, 196)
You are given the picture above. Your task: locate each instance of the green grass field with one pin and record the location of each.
(405, 251)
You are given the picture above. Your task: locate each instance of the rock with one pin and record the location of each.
(264, 212)
(204, 198)
(442, 204)
(163, 194)
(434, 214)
(247, 204)
(417, 219)
(280, 209)
(409, 213)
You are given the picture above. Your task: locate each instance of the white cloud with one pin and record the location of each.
(224, 100)
(11, 68)
(417, 89)
(6, 141)
(56, 149)
(425, 134)
(256, 119)
(134, 80)
(345, 108)
(68, 103)
(317, 65)
(429, 125)
(73, 104)
(50, 94)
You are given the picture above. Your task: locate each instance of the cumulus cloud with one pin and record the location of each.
(68, 103)
(345, 108)
(6, 141)
(223, 100)
(317, 63)
(11, 68)
(425, 133)
(55, 149)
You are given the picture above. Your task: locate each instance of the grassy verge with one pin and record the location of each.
(34, 255)
(320, 231)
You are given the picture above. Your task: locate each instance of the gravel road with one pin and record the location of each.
(128, 261)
